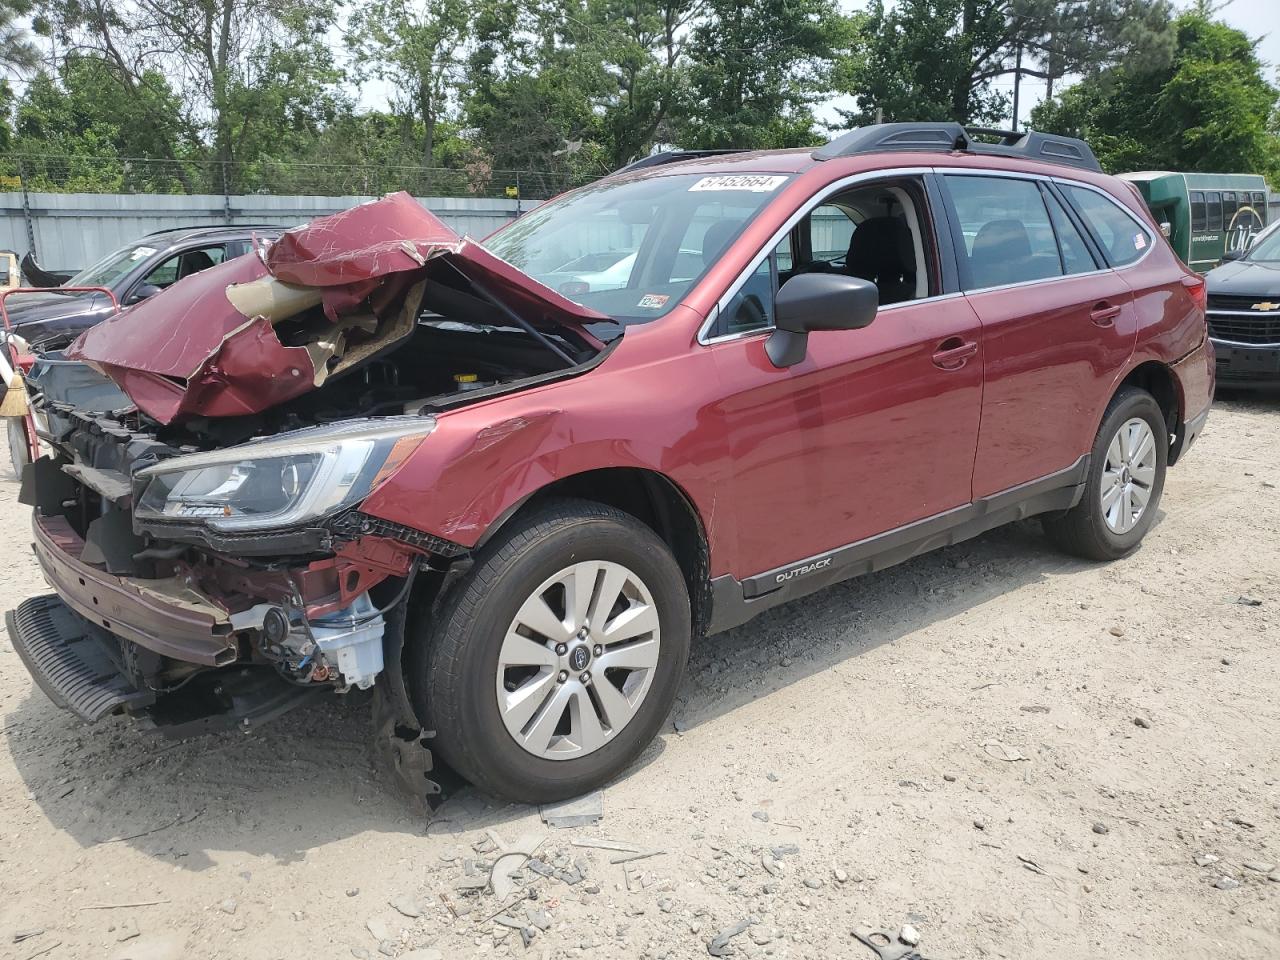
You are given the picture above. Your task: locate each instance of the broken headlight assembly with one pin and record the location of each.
(281, 481)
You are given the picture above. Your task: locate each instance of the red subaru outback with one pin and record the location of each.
(505, 484)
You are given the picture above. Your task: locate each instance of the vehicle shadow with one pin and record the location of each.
(807, 636)
(311, 777)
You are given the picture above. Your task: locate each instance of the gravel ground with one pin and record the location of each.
(1017, 753)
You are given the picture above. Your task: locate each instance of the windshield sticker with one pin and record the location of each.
(140, 252)
(753, 182)
(653, 301)
(1139, 241)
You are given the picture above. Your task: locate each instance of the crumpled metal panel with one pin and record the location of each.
(207, 345)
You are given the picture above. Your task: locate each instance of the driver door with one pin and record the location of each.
(875, 429)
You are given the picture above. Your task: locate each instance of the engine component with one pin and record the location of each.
(351, 639)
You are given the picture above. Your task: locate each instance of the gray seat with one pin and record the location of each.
(881, 250)
(1000, 253)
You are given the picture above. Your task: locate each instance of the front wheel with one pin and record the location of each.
(19, 454)
(1126, 477)
(553, 665)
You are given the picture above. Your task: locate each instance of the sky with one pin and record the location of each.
(1255, 17)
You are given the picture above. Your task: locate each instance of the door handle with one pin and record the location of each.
(953, 352)
(1104, 314)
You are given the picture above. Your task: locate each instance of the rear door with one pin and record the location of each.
(1057, 325)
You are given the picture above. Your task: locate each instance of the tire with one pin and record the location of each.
(19, 455)
(463, 683)
(1092, 529)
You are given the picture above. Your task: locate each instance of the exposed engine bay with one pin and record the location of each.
(198, 514)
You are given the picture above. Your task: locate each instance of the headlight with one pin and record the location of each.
(281, 481)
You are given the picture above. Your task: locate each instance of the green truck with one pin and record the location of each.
(1204, 214)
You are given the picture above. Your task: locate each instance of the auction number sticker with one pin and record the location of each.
(653, 301)
(753, 182)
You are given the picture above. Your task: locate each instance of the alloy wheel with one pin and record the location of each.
(578, 660)
(1128, 475)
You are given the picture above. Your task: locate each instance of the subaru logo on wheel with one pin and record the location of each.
(579, 658)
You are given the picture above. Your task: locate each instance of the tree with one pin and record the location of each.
(1210, 109)
(415, 46)
(756, 70)
(939, 59)
(17, 52)
(212, 50)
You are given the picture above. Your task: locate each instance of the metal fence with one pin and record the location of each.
(71, 174)
(67, 231)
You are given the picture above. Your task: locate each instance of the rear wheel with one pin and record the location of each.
(1126, 478)
(555, 663)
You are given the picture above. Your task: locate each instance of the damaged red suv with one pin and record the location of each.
(505, 484)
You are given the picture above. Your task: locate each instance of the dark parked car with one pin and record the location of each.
(1244, 314)
(385, 456)
(133, 273)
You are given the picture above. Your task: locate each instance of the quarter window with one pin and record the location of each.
(1198, 216)
(1121, 237)
(1008, 237)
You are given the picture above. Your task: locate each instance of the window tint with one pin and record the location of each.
(1197, 211)
(1121, 237)
(1228, 208)
(1215, 211)
(185, 264)
(1008, 237)
(1076, 257)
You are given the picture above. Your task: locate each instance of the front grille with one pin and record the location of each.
(1218, 301)
(1259, 330)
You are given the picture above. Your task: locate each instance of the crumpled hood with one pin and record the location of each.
(208, 345)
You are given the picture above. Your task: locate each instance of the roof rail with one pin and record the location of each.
(950, 136)
(674, 156)
(211, 226)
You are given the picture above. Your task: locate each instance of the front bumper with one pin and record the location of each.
(1243, 364)
(167, 617)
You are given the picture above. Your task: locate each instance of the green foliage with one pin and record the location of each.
(1210, 109)
(940, 59)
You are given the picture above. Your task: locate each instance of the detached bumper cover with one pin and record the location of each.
(68, 662)
(164, 616)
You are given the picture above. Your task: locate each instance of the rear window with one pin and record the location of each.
(1122, 238)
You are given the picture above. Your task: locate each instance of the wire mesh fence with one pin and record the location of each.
(132, 175)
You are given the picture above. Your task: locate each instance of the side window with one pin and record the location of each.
(1215, 211)
(183, 264)
(1008, 237)
(1228, 208)
(1076, 257)
(1119, 234)
(830, 231)
(1198, 217)
(752, 306)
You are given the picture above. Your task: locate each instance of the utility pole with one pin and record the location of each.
(1017, 80)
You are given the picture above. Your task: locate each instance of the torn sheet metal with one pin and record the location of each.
(347, 286)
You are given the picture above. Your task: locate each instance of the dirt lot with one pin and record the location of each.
(867, 727)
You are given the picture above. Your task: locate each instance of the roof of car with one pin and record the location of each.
(882, 141)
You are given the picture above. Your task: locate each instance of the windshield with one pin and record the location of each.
(1267, 247)
(112, 268)
(633, 249)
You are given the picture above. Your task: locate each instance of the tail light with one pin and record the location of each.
(1198, 290)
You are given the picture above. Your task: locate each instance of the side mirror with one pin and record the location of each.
(1232, 255)
(817, 301)
(141, 292)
